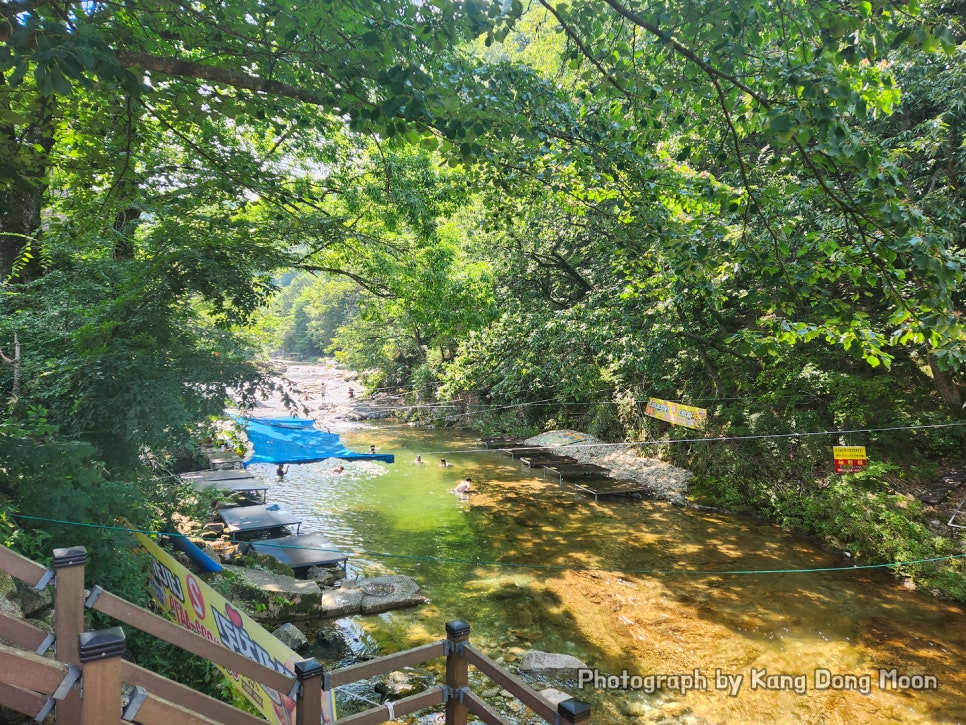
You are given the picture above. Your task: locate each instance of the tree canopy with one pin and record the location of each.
(566, 203)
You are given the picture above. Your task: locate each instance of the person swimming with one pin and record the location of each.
(443, 463)
(419, 459)
(338, 469)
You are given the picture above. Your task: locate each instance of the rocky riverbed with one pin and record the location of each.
(663, 481)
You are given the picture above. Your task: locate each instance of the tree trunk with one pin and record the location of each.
(945, 385)
(15, 361)
(124, 225)
(21, 199)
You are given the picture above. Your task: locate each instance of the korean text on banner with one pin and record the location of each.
(849, 459)
(676, 413)
(197, 607)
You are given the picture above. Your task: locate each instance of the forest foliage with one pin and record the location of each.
(558, 209)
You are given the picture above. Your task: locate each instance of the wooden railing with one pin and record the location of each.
(82, 686)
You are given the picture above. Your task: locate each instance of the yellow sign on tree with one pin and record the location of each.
(676, 413)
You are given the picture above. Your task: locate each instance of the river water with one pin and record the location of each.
(640, 588)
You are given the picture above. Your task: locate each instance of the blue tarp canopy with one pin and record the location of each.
(296, 440)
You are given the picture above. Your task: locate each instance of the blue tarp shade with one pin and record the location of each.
(296, 440)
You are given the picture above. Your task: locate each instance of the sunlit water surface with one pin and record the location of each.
(626, 585)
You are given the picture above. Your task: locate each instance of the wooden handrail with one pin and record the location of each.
(382, 665)
(27, 681)
(176, 692)
(21, 633)
(520, 689)
(24, 569)
(155, 710)
(406, 706)
(30, 671)
(124, 611)
(23, 701)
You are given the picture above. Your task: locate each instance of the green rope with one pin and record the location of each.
(554, 567)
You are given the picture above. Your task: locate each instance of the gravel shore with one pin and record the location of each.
(664, 481)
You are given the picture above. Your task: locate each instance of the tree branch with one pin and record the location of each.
(686, 52)
(225, 76)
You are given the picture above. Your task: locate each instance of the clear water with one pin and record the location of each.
(530, 565)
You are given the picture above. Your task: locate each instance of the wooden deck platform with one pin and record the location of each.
(543, 461)
(224, 459)
(524, 450)
(303, 551)
(231, 474)
(577, 470)
(609, 487)
(247, 523)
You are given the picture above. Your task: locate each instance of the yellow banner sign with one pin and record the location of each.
(197, 607)
(849, 459)
(676, 413)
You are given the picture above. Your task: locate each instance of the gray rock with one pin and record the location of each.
(31, 601)
(340, 602)
(554, 695)
(382, 593)
(324, 576)
(537, 660)
(291, 636)
(8, 595)
(276, 597)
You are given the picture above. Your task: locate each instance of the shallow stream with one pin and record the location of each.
(636, 587)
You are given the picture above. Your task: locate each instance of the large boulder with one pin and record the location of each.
(272, 597)
(382, 593)
(341, 602)
(33, 602)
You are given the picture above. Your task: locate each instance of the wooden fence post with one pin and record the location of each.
(68, 565)
(100, 656)
(309, 701)
(574, 711)
(457, 671)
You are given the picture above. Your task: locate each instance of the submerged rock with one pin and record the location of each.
(291, 636)
(537, 660)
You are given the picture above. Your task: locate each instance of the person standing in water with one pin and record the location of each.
(464, 487)
(281, 471)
